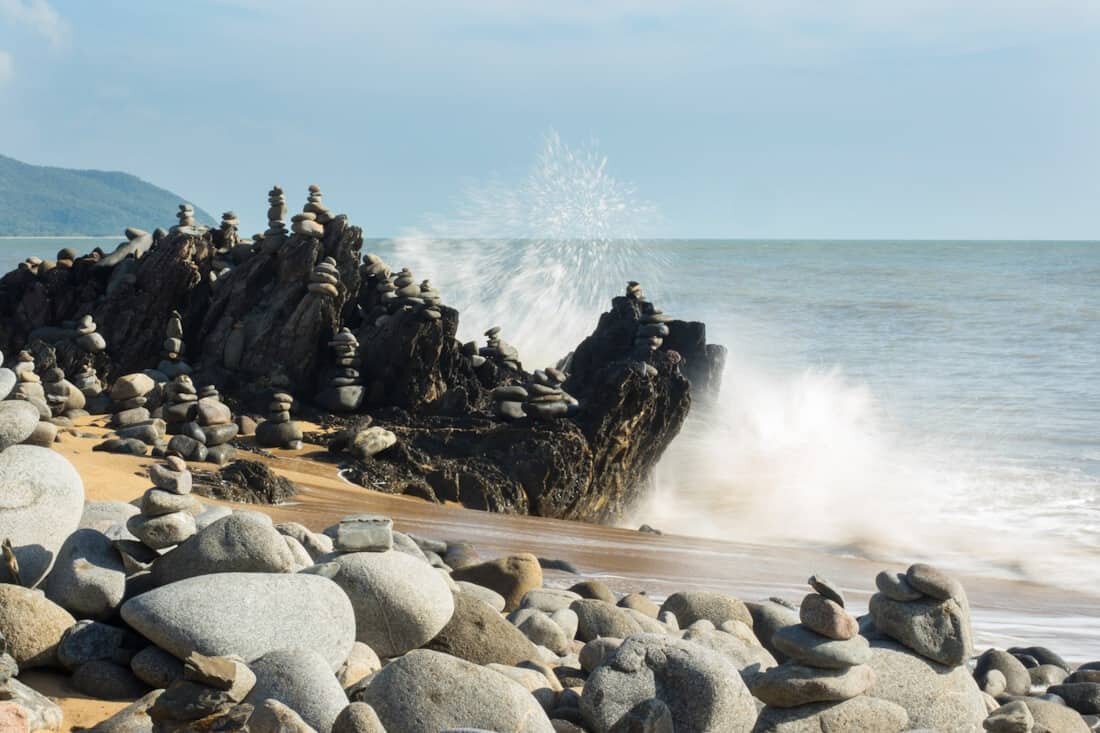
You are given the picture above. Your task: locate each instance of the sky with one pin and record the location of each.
(778, 119)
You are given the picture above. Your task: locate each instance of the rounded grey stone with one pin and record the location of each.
(156, 667)
(300, 679)
(41, 502)
(428, 692)
(803, 645)
(18, 419)
(248, 614)
(239, 543)
(400, 602)
(88, 578)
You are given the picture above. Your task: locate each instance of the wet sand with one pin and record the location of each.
(1004, 612)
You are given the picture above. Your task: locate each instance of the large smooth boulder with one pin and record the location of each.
(700, 689)
(945, 699)
(32, 625)
(302, 681)
(247, 614)
(400, 602)
(243, 542)
(750, 659)
(480, 635)
(429, 692)
(88, 579)
(41, 502)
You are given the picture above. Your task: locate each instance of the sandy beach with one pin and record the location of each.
(1005, 613)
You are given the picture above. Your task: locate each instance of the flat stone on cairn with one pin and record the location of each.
(345, 391)
(315, 205)
(826, 659)
(324, 278)
(278, 430)
(88, 338)
(927, 611)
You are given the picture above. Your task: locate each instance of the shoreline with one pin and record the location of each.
(1005, 612)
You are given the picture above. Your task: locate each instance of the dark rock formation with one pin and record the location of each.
(248, 482)
(258, 318)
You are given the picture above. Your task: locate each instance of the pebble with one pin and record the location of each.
(790, 685)
(824, 616)
(802, 645)
(827, 589)
(896, 587)
(934, 583)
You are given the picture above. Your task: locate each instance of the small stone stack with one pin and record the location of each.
(187, 224)
(168, 510)
(827, 658)
(229, 225)
(279, 431)
(227, 240)
(62, 396)
(324, 278)
(925, 610)
(89, 383)
(201, 426)
(87, 336)
(375, 276)
(131, 418)
(173, 365)
(315, 205)
(209, 696)
(541, 398)
(276, 216)
(652, 328)
(345, 391)
(500, 351)
(66, 257)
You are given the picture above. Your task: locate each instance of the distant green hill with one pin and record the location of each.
(43, 201)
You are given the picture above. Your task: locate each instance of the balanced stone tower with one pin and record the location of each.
(173, 365)
(168, 510)
(324, 278)
(498, 350)
(279, 431)
(345, 391)
(541, 398)
(88, 338)
(310, 223)
(276, 220)
(826, 668)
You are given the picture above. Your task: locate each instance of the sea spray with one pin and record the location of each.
(540, 258)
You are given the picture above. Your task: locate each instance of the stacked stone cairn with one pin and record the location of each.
(173, 365)
(201, 425)
(87, 336)
(652, 327)
(498, 350)
(541, 398)
(827, 663)
(135, 427)
(187, 223)
(325, 278)
(168, 509)
(276, 220)
(309, 223)
(228, 240)
(925, 610)
(278, 430)
(375, 276)
(345, 390)
(27, 386)
(64, 399)
(88, 382)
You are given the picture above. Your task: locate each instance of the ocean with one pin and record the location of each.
(890, 399)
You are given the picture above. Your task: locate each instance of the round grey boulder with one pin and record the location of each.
(300, 679)
(239, 543)
(400, 602)
(700, 688)
(18, 419)
(247, 614)
(429, 692)
(88, 578)
(41, 502)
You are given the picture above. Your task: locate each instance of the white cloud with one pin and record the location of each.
(7, 68)
(37, 15)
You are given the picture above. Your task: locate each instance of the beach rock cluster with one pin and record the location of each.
(500, 351)
(201, 425)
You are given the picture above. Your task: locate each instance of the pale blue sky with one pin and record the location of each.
(773, 118)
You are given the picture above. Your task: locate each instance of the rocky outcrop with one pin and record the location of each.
(257, 321)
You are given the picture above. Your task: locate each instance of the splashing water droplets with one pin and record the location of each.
(541, 258)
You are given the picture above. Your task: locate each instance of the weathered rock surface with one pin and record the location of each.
(32, 625)
(247, 614)
(428, 692)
